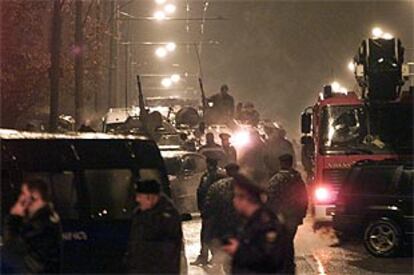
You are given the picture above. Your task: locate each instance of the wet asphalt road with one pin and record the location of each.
(315, 254)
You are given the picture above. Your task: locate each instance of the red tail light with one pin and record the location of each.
(323, 194)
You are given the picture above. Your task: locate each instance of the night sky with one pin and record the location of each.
(277, 54)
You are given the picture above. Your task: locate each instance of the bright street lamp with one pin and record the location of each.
(387, 36)
(338, 88)
(377, 32)
(159, 15)
(166, 82)
(175, 78)
(161, 52)
(171, 46)
(335, 86)
(160, 2)
(170, 8)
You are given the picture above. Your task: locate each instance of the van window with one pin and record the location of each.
(63, 192)
(376, 180)
(111, 193)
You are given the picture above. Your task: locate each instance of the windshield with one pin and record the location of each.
(388, 129)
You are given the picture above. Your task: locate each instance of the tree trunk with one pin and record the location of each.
(54, 73)
(113, 56)
(79, 48)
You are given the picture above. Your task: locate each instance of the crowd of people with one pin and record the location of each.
(254, 224)
(252, 211)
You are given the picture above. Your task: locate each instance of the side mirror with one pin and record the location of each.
(306, 123)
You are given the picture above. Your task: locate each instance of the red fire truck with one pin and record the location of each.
(343, 128)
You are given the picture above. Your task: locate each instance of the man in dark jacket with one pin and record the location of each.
(32, 234)
(219, 210)
(155, 240)
(260, 247)
(211, 176)
(287, 198)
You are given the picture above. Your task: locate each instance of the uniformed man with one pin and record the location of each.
(155, 241)
(222, 105)
(207, 179)
(261, 245)
(209, 145)
(211, 149)
(32, 234)
(287, 198)
(228, 148)
(219, 210)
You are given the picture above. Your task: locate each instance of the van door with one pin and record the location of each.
(111, 198)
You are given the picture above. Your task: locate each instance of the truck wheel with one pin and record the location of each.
(383, 238)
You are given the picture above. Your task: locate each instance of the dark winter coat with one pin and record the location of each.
(219, 210)
(155, 240)
(33, 245)
(262, 245)
(207, 179)
(287, 195)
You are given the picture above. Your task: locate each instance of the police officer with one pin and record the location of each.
(209, 145)
(155, 241)
(228, 148)
(260, 246)
(207, 179)
(219, 207)
(288, 198)
(33, 234)
(219, 210)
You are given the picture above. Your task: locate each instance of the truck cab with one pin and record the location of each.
(343, 129)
